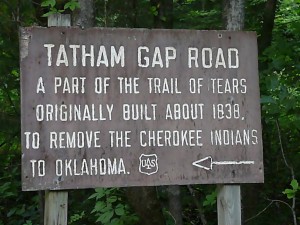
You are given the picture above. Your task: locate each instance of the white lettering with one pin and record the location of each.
(193, 56)
(49, 53)
(119, 138)
(40, 86)
(85, 55)
(170, 54)
(62, 56)
(233, 137)
(102, 57)
(117, 57)
(139, 111)
(184, 111)
(206, 60)
(74, 48)
(213, 57)
(90, 167)
(101, 85)
(71, 140)
(146, 59)
(168, 138)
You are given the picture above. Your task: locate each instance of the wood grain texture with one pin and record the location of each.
(229, 205)
(56, 208)
(56, 202)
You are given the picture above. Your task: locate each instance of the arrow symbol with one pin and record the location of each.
(207, 163)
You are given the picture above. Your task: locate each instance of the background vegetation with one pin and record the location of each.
(277, 23)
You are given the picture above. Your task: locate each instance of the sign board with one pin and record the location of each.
(138, 107)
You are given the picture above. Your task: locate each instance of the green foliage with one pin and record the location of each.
(210, 199)
(280, 99)
(153, 10)
(72, 5)
(76, 217)
(15, 209)
(52, 9)
(291, 193)
(170, 220)
(28, 222)
(53, 6)
(110, 208)
(191, 14)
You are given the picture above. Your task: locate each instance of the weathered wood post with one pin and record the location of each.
(56, 202)
(229, 205)
(229, 196)
(56, 208)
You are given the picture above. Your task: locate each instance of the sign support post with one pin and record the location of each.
(56, 208)
(229, 196)
(229, 205)
(56, 202)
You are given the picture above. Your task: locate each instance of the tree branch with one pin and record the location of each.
(262, 211)
(259, 213)
(291, 170)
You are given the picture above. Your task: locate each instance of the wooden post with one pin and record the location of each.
(56, 202)
(229, 196)
(56, 208)
(229, 205)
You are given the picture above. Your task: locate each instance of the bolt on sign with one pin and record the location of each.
(138, 107)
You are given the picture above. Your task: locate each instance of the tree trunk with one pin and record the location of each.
(265, 39)
(163, 18)
(134, 5)
(84, 16)
(146, 205)
(174, 201)
(41, 206)
(233, 14)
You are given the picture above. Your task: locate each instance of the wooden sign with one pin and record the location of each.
(137, 107)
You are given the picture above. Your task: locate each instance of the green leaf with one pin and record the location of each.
(120, 210)
(93, 196)
(49, 13)
(105, 217)
(289, 193)
(112, 199)
(153, 10)
(211, 199)
(28, 222)
(11, 212)
(116, 221)
(100, 192)
(99, 207)
(294, 184)
(274, 83)
(47, 3)
(72, 5)
(266, 99)
(77, 217)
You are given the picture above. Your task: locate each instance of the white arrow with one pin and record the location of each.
(207, 163)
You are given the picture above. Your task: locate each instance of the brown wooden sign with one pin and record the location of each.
(137, 107)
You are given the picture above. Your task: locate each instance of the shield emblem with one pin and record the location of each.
(148, 164)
